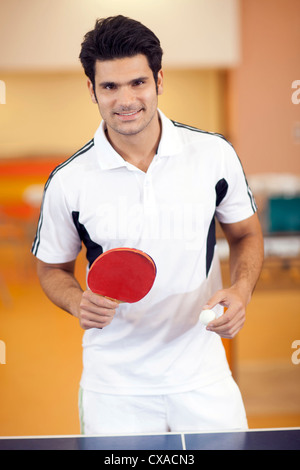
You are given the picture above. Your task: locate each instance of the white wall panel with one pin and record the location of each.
(46, 34)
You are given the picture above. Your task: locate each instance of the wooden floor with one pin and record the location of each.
(40, 366)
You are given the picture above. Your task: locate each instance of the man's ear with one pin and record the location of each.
(91, 90)
(160, 82)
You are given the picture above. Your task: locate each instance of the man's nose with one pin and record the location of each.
(126, 97)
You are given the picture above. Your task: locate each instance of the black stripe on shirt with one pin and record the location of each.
(93, 250)
(81, 151)
(221, 191)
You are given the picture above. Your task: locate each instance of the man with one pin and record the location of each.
(150, 183)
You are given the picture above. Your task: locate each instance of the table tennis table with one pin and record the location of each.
(253, 439)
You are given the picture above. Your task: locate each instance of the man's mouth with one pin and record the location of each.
(128, 114)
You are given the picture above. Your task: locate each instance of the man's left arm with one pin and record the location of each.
(245, 241)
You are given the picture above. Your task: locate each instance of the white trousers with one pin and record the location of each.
(215, 407)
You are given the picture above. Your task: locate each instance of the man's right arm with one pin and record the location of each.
(62, 288)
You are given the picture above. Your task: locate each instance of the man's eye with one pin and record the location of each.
(138, 82)
(110, 86)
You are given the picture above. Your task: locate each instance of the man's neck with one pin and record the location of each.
(138, 149)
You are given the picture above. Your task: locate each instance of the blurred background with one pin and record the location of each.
(230, 66)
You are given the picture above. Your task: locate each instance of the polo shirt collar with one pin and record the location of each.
(170, 143)
(108, 158)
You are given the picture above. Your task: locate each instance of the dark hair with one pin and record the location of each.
(117, 37)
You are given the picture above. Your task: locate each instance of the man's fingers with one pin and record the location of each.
(217, 298)
(230, 323)
(99, 300)
(96, 311)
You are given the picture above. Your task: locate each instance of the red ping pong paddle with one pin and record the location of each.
(122, 274)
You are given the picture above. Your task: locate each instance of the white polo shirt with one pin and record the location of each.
(156, 345)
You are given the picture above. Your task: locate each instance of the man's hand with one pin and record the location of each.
(95, 311)
(230, 323)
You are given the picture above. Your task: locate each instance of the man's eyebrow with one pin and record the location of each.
(105, 84)
(134, 80)
(139, 79)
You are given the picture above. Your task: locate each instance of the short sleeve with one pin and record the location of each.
(235, 201)
(56, 240)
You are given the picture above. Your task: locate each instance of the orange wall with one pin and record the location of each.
(262, 115)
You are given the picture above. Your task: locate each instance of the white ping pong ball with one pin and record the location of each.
(206, 316)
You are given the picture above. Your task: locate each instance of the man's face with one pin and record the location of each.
(126, 93)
